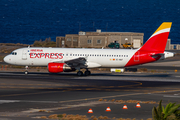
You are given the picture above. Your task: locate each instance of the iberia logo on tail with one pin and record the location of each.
(158, 40)
(153, 48)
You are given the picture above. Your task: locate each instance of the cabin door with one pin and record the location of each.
(24, 54)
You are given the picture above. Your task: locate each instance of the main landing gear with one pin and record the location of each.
(79, 73)
(26, 72)
(86, 73)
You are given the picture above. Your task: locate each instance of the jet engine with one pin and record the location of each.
(58, 67)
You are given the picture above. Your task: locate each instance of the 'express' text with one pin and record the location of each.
(47, 55)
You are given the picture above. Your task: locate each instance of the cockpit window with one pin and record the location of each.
(14, 53)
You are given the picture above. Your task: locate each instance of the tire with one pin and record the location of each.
(79, 73)
(87, 73)
(26, 72)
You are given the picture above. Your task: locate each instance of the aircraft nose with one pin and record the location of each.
(6, 59)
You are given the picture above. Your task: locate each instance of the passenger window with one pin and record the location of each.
(15, 53)
(114, 55)
(109, 55)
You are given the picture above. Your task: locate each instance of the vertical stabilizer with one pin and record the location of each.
(154, 47)
(158, 40)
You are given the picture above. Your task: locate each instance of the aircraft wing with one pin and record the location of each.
(80, 62)
(77, 62)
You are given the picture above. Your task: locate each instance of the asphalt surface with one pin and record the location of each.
(23, 96)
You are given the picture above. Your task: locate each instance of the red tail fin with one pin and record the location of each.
(152, 50)
(157, 42)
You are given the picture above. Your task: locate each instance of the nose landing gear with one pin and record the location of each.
(26, 72)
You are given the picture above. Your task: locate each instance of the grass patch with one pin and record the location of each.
(142, 70)
(43, 117)
(46, 43)
(42, 110)
(83, 117)
(153, 71)
(54, 116)
(129, 101)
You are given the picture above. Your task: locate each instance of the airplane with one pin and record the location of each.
(70, 59)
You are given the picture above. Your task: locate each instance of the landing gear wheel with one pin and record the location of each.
(87, 73)
(79, 73)
(26, 72)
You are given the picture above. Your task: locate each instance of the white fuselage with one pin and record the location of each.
(95, 57)
(111, 58)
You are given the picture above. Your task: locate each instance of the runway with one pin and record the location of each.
(41, 94)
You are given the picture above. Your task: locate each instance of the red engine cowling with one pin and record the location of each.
(56, 67)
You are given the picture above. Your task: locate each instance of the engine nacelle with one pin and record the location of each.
(58, 67)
